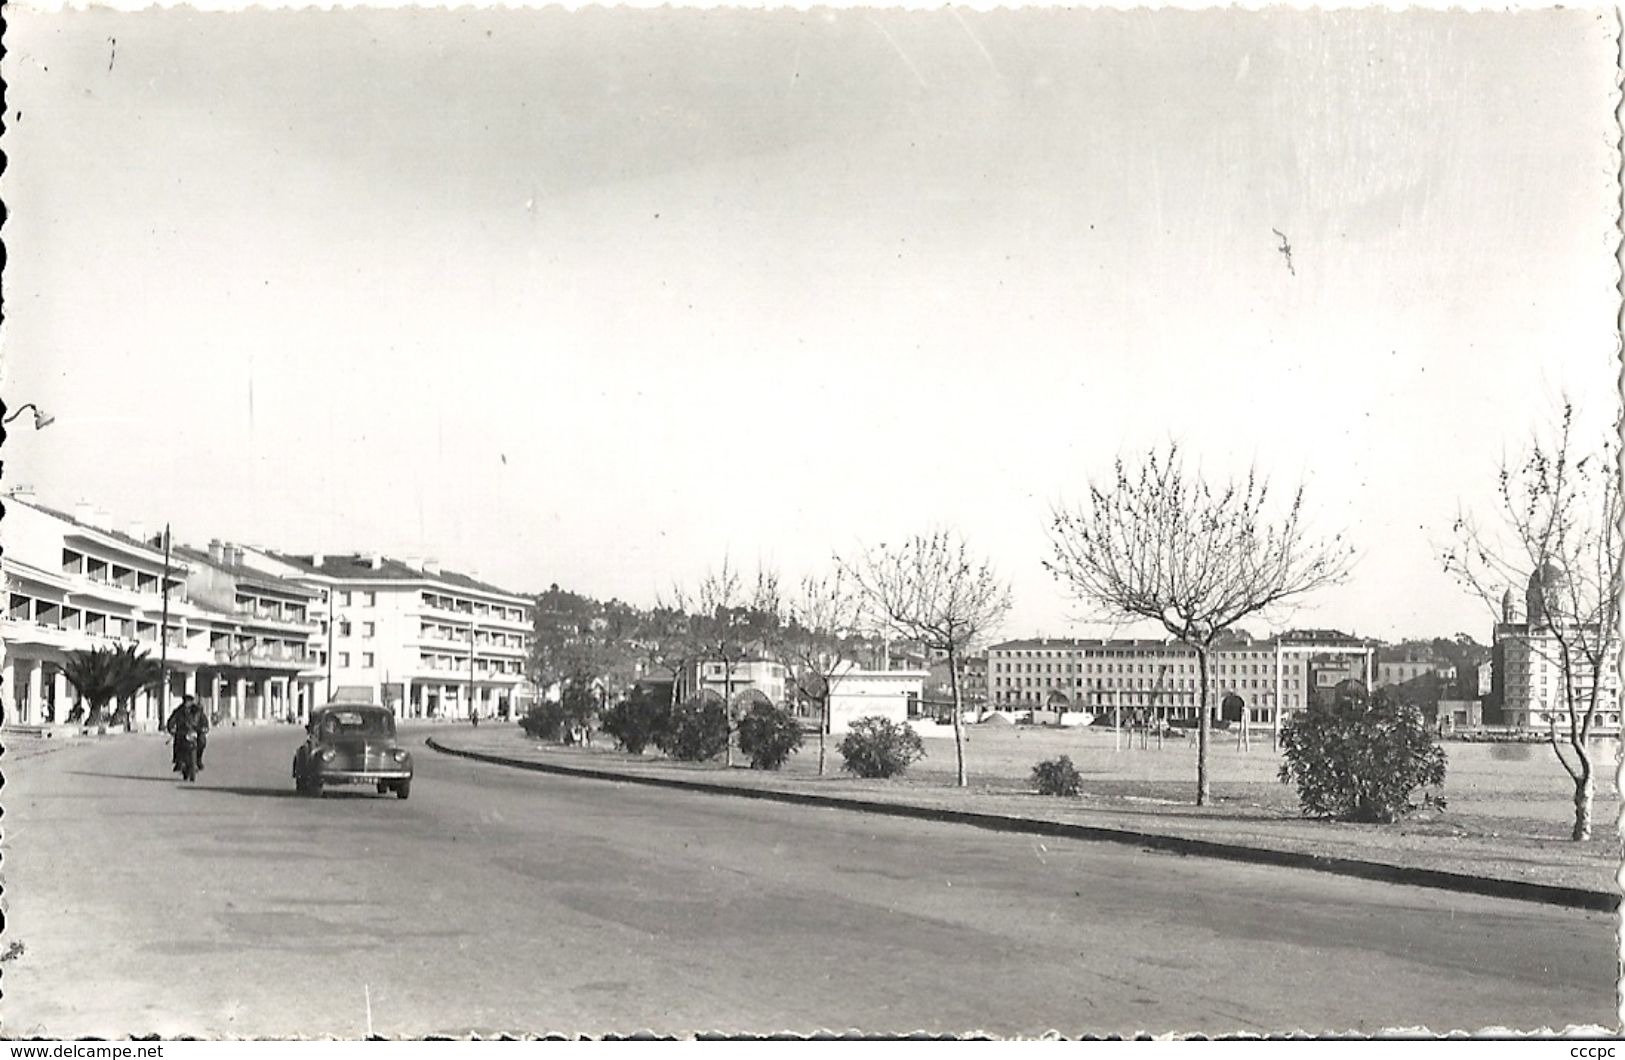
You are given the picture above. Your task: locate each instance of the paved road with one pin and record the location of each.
(497, 900)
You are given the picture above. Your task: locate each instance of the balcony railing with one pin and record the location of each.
(271, 614)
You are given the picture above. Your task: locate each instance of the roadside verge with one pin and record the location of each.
(1416, 876)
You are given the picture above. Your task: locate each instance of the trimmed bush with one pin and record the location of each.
(1057, 776)
(1362, 758)
(580, 702)
(638, 720)
(698, 731)
(875, 747)
(769, 735)
(545, 721)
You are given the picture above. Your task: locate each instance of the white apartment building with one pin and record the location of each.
(75, 583)
(430, 643)
(259, 631)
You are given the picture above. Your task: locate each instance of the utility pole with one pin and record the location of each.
(330, 619)
(471, 660)
(163, 640)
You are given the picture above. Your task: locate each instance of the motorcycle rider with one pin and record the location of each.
(188, 721)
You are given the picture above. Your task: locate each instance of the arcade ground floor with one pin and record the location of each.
(37, 692)
(422, 698)
(34, 690)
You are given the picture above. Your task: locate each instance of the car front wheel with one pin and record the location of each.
(403, 789)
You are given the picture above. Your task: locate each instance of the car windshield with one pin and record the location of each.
(357, 723)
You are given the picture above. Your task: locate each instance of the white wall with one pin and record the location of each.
(866, 693)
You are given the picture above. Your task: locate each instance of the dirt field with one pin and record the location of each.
(1490, 788)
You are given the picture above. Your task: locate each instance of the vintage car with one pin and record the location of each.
(352, 744)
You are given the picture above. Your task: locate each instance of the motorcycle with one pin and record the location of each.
(186, 752)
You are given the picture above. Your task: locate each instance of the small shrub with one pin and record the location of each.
(876, 747)
(579, 699)
(698, 731)
(1362, 758)
(769, 735)
(545, 721)
(638, 720)
(1057, 776)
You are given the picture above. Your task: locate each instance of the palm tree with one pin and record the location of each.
(137, 670)
(95, 676)
(104, 674)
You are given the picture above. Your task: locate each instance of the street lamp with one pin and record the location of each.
(42, 419)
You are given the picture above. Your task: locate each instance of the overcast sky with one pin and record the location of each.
(598, 298)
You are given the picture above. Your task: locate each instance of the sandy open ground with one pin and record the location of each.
(1512, 782)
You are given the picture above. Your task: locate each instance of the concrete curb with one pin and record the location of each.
(1520, 890)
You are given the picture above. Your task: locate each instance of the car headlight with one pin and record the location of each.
(326, 754)
(400, 755)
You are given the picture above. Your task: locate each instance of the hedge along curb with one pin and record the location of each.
(1520, 890)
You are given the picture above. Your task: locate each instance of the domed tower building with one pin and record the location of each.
(1527, 680)
(1543, 596)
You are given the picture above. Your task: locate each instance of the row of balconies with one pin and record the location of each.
(261, 653)
(430, 635)
(181, 649)
(293, 616)
(46, 612)
(463, 610)
(460, 662)
(117, 629)
(479, 675)
(97, 571)
(129, 595)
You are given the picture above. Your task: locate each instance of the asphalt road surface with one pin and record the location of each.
(501, 901)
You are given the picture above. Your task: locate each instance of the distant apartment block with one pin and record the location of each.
(1162, 675)
(1528, 690)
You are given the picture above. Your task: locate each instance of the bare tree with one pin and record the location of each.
(1559, 536)
(668, 644)
(730, 623)
(818, 643)
(932, 591)
(1158, 543)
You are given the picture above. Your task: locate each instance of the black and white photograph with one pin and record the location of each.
(708, 522)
